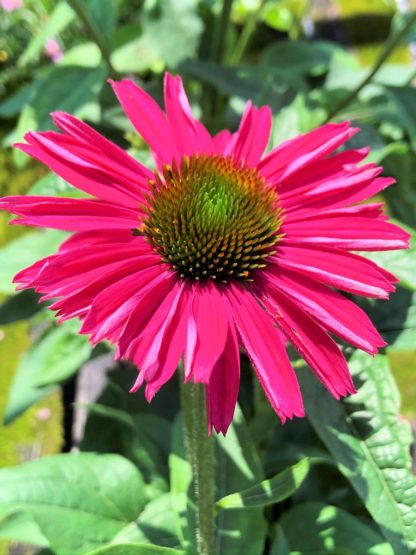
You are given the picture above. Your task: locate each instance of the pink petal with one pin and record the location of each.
(253, 134)
(209, 323)
(145, 304)
(313, 344)
(336, 268)
(332, 310)
(116, 303)
(296, 154)
(223, 386)
(148, 119)
(84, 167)
(163, 355)
(343, 229)
(190, 134)
(119, 158)
(70, 214)
(265, 346)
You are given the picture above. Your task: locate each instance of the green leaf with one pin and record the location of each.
(400, 163)
(402, 263)
(57, 356)
(62, 95)
(274, 490)
(396, 320)
(301, 57)
(79, 501)
(54, 186)
(180, 487)
(370, 445)
(167, 39)
(238, 468)
(23, 252)
(22, 527)
(21, 306)
(404, 103)
(155, 525)
(135, 549)
(330, 530)
(104, 15)
(119, 429)
(60, 18)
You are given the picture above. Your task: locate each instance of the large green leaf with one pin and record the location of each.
(135, 549)
(23, 252)
(57, 356)
(80, 501)
(330, 530)
(274, 490)
(370, 445)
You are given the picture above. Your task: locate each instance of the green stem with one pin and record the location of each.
(384, 55)
(201, 457)
(246, 34)
(94, 33)
(220, 33)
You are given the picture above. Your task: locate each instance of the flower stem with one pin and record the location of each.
(201, 457)
(246, 35)
(94, 33)
(391, 44)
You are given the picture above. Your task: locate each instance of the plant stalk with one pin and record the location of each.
(201, 457)
(246, 35)
(384, 55)
(80, 9)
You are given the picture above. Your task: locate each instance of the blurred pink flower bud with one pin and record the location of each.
(53, 50)
(43, 414)
(11, 5)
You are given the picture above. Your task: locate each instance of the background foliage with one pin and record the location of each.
(340, 482)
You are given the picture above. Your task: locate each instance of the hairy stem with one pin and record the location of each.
(391, 44)
(201, 457)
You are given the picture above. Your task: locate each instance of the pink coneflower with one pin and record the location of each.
(221, 247)
(53, 50)
(11, 5)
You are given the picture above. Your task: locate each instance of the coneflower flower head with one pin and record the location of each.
(221, 247)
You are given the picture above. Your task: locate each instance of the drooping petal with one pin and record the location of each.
(265, 347)
(313, 344)
(223, 386)
(336, 268)
(162, 351)
(115, 304)
(148, 119)
(332, 310)
(209, 323)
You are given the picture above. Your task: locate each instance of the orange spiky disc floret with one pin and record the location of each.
(212, 217)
